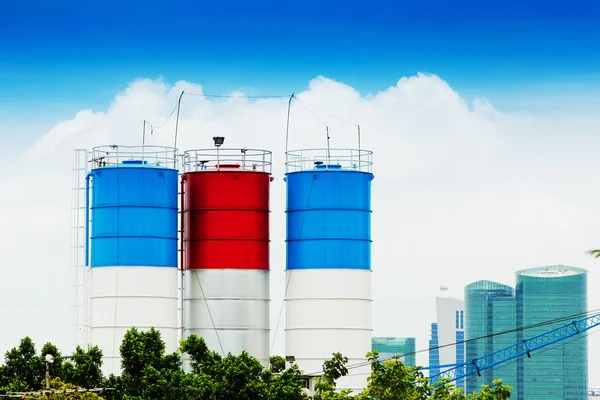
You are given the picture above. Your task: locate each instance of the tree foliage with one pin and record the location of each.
(148, 372)
(392, 380)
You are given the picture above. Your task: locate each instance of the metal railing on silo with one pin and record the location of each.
(116, 155)
(326, 159)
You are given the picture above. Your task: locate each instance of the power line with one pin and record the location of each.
(225, 96)
(544, 323)
(556, 345)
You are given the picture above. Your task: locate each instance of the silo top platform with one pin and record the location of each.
(357, 160)
(117, 156)
(219, 159)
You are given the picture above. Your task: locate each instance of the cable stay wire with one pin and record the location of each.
(153, 127)
(522, 328)
(310, 112)
(289, 278)
(210, 315)
(304, 102)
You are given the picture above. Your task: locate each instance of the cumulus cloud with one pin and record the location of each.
(462, 190)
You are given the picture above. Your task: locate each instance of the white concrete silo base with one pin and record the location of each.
(124, 297)
(238, 301)
(328, 311)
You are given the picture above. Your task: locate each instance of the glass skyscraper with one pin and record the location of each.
(393, 346)
(490, 308)
(447, 337)
(558, 372)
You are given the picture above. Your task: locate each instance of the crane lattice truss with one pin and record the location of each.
(526, 347)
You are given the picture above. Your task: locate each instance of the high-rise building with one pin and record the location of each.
(555, 293)
(447, 336)
(394, 346)
(490, 308)
(558, 372)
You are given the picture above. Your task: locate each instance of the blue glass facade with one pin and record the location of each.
(490, 308)
(134, 216)
(558, 372)
(434, 352)
(393, 346)
(329, 219)
(460, 354)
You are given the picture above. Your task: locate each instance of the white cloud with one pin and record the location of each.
(462, 191)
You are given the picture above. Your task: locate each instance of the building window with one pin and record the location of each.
(457, 320)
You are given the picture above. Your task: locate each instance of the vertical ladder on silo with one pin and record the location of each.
(181, 280)
(79, 310)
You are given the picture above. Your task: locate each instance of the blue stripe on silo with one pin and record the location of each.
(329, 219)
(134, 216)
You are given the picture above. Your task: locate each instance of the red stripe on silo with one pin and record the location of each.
(226, 220)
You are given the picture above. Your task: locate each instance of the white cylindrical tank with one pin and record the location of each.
(225, 228)
(328, 296)
(132, 247)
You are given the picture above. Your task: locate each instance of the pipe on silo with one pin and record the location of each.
(87, 218)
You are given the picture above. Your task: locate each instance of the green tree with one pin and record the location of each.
(276, 364)
(23, 368)
(85, 368)
(392, 380)
(142, 358)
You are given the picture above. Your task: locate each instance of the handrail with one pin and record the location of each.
(121, 155)
(329, 159)
(217, 159)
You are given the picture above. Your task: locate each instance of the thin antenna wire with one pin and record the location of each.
(311, 113)
(177, 119)
(287, 126)
(152, 127)
(325, 112)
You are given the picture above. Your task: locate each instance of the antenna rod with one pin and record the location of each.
(144, 134)
(359, 160)
(177, 120)
(328, 153)
(287, 126)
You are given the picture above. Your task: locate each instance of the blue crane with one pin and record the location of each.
(526, 347)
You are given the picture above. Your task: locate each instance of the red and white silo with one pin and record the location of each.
(225, 230)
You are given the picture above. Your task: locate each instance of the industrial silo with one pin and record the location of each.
(132, 230)
(225, 225)
(328, 274)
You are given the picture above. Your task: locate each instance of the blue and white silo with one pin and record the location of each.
(132, 245)
(328, 274)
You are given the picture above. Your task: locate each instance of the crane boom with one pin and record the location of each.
(526, 347)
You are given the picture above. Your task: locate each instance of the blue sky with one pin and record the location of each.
(68, 55)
